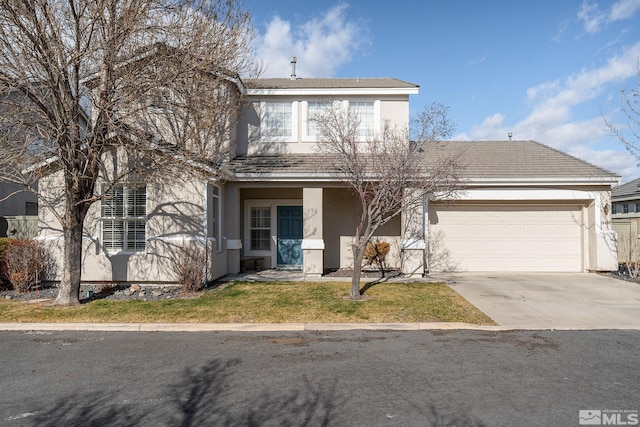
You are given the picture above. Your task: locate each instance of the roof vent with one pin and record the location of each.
(293, 67)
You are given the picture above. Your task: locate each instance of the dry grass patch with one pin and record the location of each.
(271, 302)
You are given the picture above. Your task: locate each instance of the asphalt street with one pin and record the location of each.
(342, 378)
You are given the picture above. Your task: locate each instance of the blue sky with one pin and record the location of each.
(545, 70)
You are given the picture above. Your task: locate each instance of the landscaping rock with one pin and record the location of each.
(123, 293)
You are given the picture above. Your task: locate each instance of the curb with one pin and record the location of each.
(281, 327)
(242, 327)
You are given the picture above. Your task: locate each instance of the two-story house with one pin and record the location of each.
(525, 207)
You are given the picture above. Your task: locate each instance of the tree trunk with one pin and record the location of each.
(69, 290)
(358, 255)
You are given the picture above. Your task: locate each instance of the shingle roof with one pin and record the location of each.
(482, 160)
(519, 159)
(328, 83)
(630, 189)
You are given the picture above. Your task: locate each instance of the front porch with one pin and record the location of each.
(308, 229)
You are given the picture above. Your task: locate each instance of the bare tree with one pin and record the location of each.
(149, 80)
(629, 135)
(388, 172)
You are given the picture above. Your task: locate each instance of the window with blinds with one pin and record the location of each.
(124, 216)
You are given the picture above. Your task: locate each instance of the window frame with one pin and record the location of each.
(126, 218)
(375, 128)
(265, 134)
(261, 228)
(306, 118)
(214, 207)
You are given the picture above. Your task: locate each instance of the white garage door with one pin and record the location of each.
(471, 237)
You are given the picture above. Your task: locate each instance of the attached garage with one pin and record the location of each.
(522, 206)
(506, 237)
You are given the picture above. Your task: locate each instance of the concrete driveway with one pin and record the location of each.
(551, 300)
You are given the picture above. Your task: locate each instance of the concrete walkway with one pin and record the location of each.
(551, 301)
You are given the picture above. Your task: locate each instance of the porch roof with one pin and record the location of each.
(482, 161)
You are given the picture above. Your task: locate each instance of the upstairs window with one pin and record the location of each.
(124, 217)
(365, 113)
(625, 208)
(314, 110)
(278, 121)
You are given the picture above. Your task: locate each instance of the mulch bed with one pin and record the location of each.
(95, 292)
(149, 292)
(366, 274)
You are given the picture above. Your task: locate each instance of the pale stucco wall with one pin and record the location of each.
(392, 108)
(176, 212)
(339, 223)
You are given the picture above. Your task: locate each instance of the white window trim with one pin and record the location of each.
(218, 215)
(305, 123)
(294, 122)
(273, 205)
(376, 114)
(124, 251)
(305, 119)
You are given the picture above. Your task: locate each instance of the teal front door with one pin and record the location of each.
(289, 235)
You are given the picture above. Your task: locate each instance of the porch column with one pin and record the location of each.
(312, 242)
(413, 244)
(231, 231)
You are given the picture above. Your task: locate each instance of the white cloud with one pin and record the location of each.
(624, 9)
(619, 162)
(593, 19)
(321, 45)
(551, 118)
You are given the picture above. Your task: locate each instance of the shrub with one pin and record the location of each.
(629, 248)
(376, 254)
(23, 261)
(4, 281)
(188, 266)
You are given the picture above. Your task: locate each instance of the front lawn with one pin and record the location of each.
(269, 302)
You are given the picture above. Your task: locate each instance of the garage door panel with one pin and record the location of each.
(507, 237)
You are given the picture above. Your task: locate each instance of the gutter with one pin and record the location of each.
(472, 182)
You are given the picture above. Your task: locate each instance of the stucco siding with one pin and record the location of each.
(341, 216)
(392, 109)
(175, 217)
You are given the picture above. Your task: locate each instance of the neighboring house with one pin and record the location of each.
(18, 212)
(18, 208)
(625, 214)
(526, 206)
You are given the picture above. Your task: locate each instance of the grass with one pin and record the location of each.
(270, 302)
